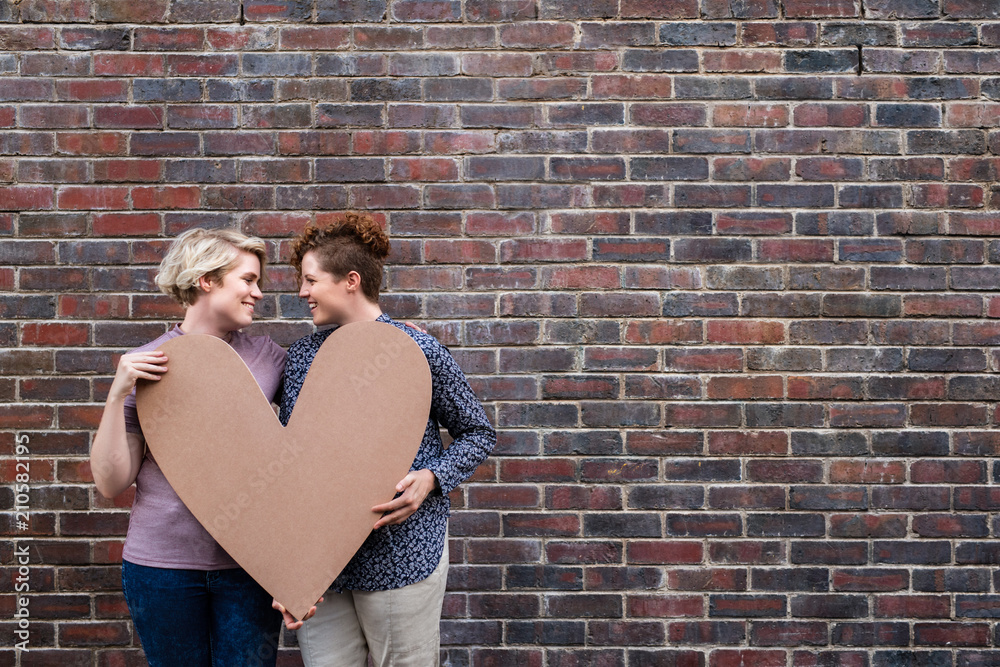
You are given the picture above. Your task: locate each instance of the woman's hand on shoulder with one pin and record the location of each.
(413, 488)
(136, 366)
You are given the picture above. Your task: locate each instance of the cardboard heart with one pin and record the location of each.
(291, 505)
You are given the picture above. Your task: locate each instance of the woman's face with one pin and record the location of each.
(326, 296)
(231, 301)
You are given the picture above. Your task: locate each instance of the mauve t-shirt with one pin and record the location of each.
(162, 532)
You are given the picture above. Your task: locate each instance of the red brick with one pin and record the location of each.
(756, 387)
(742, 61)
(447, 251)
(813, 387)
(93, 197)
(92, 143)
(550, 251)
(26, 197)
(166, 197)
(912, 606)
(582, 277)
(752, 443)
(537, 35)
(87, 306)
(870, 579)
(23, 38)
(653, 9)
(202, 65)
(659, 552)
(821, 8)
(25, 416)
(741, 657)
(632, 86)
(92, 90)
(423, 169)
(126, 224)
(55, 334)
(497, 64)
(951, 634)
(867, 472)
(664, 606)
(741, 332)
(313, 143)
(53, 116)
(947, 472)
(128, 64)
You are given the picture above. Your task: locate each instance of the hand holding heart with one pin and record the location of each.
(290, 622)
(137, 366)
(414, 489)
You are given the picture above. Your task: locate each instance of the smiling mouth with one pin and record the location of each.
(249, 306)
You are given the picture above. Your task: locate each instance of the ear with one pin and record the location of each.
(205, 283)
(353, 280)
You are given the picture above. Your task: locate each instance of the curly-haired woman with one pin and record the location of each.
(387, 601)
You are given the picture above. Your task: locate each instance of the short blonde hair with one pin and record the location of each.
(204, 252)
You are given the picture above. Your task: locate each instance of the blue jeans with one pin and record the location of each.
(196, 618)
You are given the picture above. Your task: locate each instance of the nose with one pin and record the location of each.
(304, 290)
(255, 292)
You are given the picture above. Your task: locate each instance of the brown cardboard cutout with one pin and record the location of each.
(291, 505)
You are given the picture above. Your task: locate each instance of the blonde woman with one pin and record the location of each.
(191, 603)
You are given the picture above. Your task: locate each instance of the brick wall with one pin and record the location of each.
(722, 271)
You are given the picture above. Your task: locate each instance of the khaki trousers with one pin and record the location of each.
(400, 627)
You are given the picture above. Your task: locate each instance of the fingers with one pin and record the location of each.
(137, 366)
(392, 519)
(152, 357)
(414, 326)
(311, 612)
(405, 482)
(154, 370)
(143, 365)
(289, 620)
(403, 485)
(398, 514)
(414, 489)
(397, 504)
(391, 506)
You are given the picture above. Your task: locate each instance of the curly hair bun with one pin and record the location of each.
(368, 232)
(354, 243)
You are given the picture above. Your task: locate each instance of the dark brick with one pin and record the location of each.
(829, 606)
(643, 60)
(797, 196)
(871, 634)
(767, 415)
(839, 60)
(911, 659)
(746, 606)
(706, 34)
(967, 142)
(707, 87)
(793, 88)
(798, 579)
